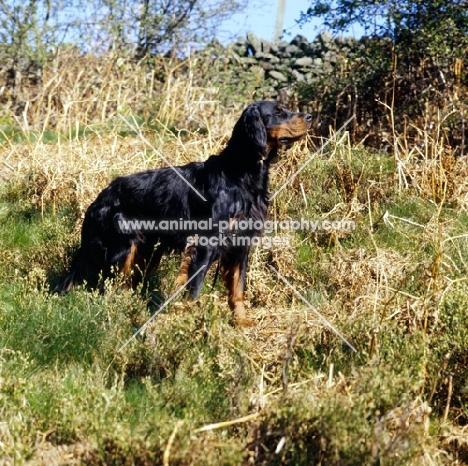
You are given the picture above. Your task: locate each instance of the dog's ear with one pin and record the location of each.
(254, 127)
(250, 128)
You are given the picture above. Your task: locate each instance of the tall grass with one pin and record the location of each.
(194, 389)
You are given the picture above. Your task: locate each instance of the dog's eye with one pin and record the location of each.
(279, 110)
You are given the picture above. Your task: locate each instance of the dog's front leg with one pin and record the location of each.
(234, 280)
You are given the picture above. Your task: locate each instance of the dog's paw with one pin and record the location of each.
(244, 322)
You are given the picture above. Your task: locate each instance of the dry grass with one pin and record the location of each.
(429, 165)
(74, 172)
(82, 89)
(85, 94)
(302, 383)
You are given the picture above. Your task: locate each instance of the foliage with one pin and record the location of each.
(34, 29)
(194, 389)
(29, 29)
(424, 27)
(407, 71)
(165, 26)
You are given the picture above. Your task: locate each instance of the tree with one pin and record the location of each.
(29, 29)
(34, 27)
(157, 26)
(410, 60)
(416, 27)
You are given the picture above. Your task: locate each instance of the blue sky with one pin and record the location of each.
(260, 18)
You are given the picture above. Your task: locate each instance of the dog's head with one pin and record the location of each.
(266, 125)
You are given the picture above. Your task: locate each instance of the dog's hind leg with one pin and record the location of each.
(132, 268)
(120, 258)
(192, 272)
(183, 275)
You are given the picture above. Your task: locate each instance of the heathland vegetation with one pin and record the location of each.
(193, 388)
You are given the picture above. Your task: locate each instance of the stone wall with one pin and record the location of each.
(282, 64)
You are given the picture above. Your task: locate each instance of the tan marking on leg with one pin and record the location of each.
(70, 287)
(233, 282)
(182, 276)
(129, 269)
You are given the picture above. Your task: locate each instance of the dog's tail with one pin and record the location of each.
(84, 269)
(66, 284)
(79, 272)
(103, 240)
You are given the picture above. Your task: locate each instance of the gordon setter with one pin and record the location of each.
(222, 191)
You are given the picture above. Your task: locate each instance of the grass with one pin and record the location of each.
(194, 389)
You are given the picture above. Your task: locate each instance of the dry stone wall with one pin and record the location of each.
(282, 64)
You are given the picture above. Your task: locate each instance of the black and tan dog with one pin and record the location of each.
(232, 185)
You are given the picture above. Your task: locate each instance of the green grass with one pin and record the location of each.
(52, 332)
(11, 133)
(396, 290)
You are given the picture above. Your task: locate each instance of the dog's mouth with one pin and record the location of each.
(289, 141)
(285, 135)
(288, 133)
